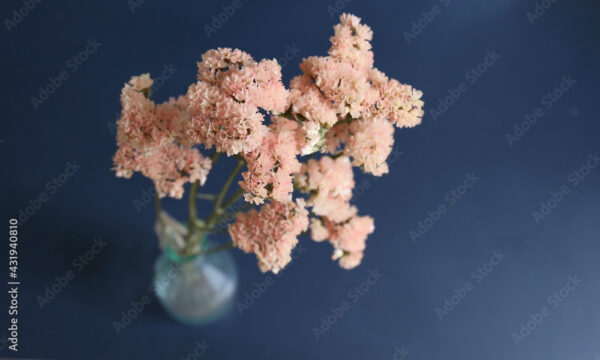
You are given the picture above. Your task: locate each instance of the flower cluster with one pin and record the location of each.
(330, 183)
(224, 103)
(271, 233)
(151, 141)
(271, 166)
(340, 110)
(343, 98)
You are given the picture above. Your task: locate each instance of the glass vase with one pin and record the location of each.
(193, 289)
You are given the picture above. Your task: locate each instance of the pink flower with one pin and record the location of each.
(399, 103)
(152, 140)
(368, 141)
(216, 62)
(308, 102)
(349, 239)
(351, 42)
(271, 233)
(346, 88)
(139, 125)
(126, 161)
(330, 183)
(270, 166)
(169, 166)
(369, 145)
(219, 120)
(336, 137)
(224, 104)
(142, 82)
(351, 260)
(258, 84)
(174, 118)
(318, 231)
(351, 100)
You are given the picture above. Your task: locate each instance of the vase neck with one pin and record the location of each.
(181, 256)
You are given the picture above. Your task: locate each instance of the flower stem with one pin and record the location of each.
(192, 205)
(209, 197)
(214, 157)
(212, 219)
(239, 192)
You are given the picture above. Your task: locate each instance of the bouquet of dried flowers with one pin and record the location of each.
(297, 146)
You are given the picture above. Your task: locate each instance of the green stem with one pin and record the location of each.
(212, 219)
(221, 225)
(214, 157)
(192, 205)
(209, 197)
(239, 192)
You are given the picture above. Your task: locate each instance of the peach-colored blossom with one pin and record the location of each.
(270, 233)
(216, 62)
(349, 239)
(270, 167)
(399, 103)
(318, 231)
(224, 104)
(308, 102)
(231, 126)
(369, 145)
(169, 166)
(174, 118)
(258, 84)
(351, 42)
(347, 89)
(330, 183)
(138, 124)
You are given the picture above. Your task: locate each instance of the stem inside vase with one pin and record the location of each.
(198, 230)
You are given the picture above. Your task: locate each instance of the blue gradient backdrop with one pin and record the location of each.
(398, 316)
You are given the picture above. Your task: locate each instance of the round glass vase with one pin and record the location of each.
(196, 289)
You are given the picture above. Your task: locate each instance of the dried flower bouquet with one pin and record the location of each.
(340, 108)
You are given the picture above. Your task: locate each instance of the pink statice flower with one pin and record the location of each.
(347, 88)
(270, 166)
(348, 238)
(271, 233)
(216, 62)
(400, 103)
(174, 118)
(257, 84)
(369, 143)
(351, 101)
(224, 104)
(329, 183)
(314, 113)
(169, 166)
(153, 140)
(217, 119)
(352, 42)
(308, 102)
(126, 161)
(138, 124)
(318, 230)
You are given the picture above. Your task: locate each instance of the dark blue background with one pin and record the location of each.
(399, 310)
